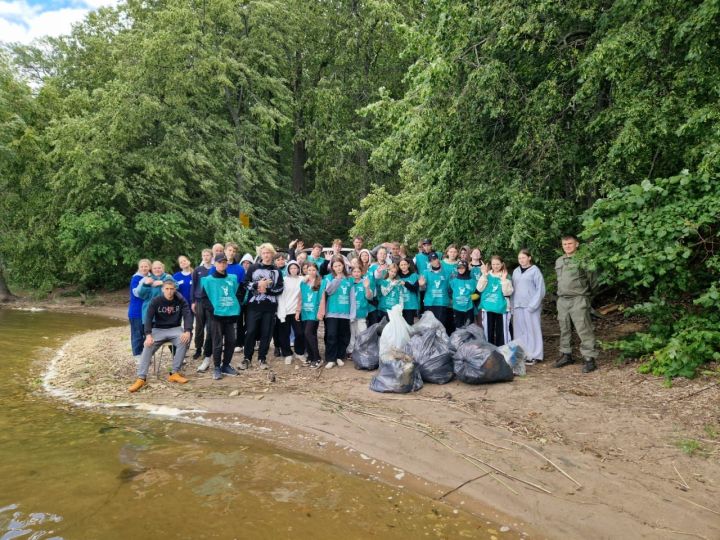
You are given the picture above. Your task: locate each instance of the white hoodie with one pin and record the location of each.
(288, 299)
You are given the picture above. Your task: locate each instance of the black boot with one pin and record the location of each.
(565, 360)
(589, 365)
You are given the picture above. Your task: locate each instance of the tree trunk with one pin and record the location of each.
(298, 165)
(5, 294)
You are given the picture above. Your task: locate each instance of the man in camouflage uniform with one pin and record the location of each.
(574, 285)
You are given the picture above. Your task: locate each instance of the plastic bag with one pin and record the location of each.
(428, 323)
(471, 332)
(395, 335)
(479, 363)
(515, 356)
(432, 354)
(366, 351)
(397, 376)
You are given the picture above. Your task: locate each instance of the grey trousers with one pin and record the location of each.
(163, 335)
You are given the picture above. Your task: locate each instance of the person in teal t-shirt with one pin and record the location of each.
(316, 257)
(462, 286)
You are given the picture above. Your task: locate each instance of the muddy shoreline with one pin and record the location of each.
(559, 454)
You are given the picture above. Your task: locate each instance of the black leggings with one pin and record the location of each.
(284, 336)
(337, 338)
(310, 330)
(495, 329)
(259, 323)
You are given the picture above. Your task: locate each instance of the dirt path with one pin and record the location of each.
(612, 454)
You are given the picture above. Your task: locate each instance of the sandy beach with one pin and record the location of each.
(554, 454)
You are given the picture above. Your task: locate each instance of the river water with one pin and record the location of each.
(91, 474)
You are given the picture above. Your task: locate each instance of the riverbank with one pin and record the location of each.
(611, 454)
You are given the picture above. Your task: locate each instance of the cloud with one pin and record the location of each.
(22, 22)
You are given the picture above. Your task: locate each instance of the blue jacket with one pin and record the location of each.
(148, 292)
(135, 305)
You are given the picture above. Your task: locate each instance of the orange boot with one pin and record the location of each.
(137, 385)
(176, 377)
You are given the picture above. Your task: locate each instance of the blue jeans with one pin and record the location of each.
(137, 336)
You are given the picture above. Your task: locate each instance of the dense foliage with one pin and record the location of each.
(501, 123)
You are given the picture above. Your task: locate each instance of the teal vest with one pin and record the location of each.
(492, 298)
(461, 291)
(361, 303)
(221, 292)
(310, 301)
(339, 301)
(386, 302)
(436, 288)
(409, 298)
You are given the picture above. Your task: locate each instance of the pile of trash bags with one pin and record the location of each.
(430, 347)
(407, 356)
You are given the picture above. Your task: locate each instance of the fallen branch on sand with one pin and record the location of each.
(426, 431)
(482, 440)
(548, 460)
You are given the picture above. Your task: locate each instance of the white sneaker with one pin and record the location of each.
(288, 360)
(340, 363)
(237, 349)
(330, 365)
(202, 368)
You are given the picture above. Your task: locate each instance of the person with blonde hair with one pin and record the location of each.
(263, 283)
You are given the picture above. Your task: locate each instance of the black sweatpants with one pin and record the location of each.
(337, 338)
(309, 331)
(373, 317)
(223, 338)
(259, 324)
(284, 336)
(409, 316)
(203, 335)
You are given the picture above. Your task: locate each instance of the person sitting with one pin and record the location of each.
(168, 320)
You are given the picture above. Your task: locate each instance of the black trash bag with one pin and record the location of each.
(397, 376)
(428, 323)
(366, 351)
(471, 332)
(480, 363)
(433, 356)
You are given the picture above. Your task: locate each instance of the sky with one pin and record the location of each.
(25, 20)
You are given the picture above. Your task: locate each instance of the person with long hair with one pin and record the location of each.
(527, 298)
(307, 311)
(409, 290)
(389, 290)
(287, 307)
(496, 289)
(337, 308)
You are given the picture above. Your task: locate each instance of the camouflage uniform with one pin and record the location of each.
(573, 288)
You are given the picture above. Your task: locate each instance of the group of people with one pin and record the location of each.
(237, 303)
